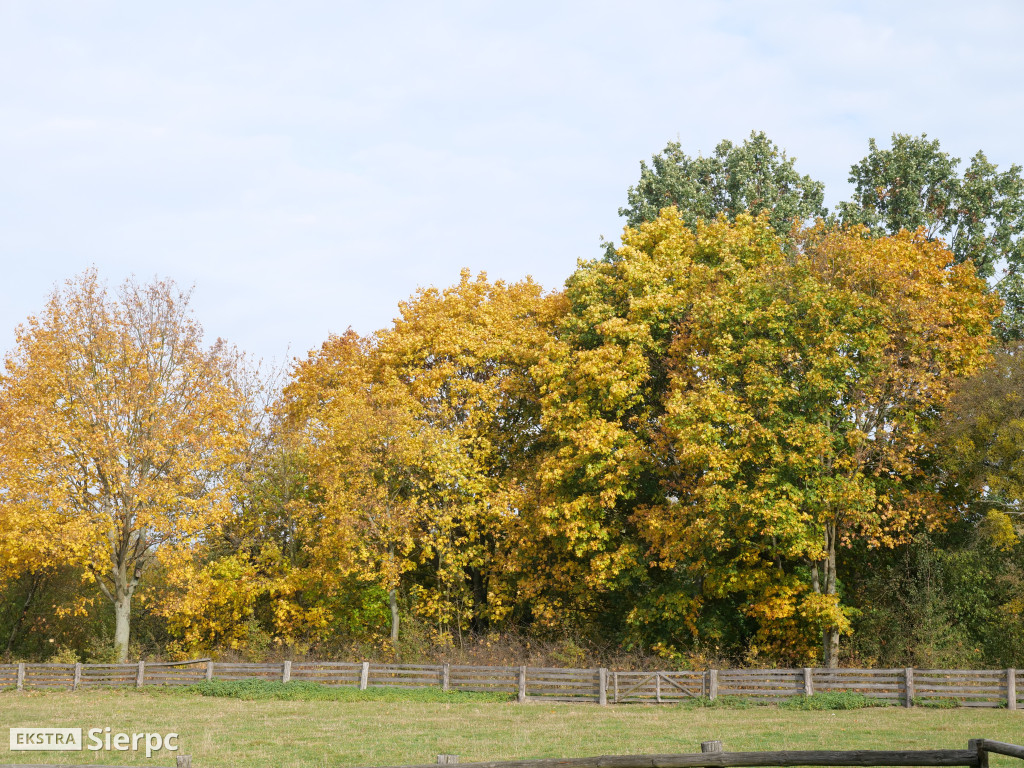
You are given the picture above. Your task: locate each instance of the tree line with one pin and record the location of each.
(754, 431)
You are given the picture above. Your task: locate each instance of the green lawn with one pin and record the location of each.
(221, 732)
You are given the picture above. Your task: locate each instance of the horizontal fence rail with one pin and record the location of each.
(905, 686)
(711, 756)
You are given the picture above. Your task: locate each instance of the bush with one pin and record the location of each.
(720, 702)
(936, 703)
(833, 700)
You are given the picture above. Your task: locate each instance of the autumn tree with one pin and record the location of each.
(981, 443)
(977, 212)
(465, 354)
(800, 399)
(732, 415)
(119, 431)
(373, 462)
(751, 177)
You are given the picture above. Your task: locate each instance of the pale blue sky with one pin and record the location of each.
(309, 164)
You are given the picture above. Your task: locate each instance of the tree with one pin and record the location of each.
(372, 463)
(981, 441)
(465, 354)
(418, 441)
(801, 393)
(119, 432)
(750, 178)
(979, 214)
(731, 413)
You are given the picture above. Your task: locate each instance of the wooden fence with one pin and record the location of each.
(970, 688)
(712, 756)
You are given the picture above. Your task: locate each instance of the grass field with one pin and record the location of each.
(220, 732)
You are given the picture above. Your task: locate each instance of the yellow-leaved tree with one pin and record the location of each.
(729, 410)
(119, 434)
(465, 355)
(371, 463)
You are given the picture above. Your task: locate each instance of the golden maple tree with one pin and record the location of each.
(465, 355)
(727, 412)
(119, 433)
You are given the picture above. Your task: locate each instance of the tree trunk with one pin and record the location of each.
(122, 616)
(35, 580)
(832, 647)
(830, 635)
(393, 599)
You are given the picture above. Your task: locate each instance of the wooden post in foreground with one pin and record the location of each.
(78, 676)
(209, 670)
(183, 761)
(286, 671)
(602, 687)
(712, 684)
(908, 680)
(1011, 688)
(711, 746)
(447, 759)
(808, 681)
(364, 675)
(21, 675)
(446, 677)
(140, 676)
(977, 746)
(522, 685)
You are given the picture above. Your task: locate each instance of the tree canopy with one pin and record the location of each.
(751, 177)
(978, 213)
(119, 433)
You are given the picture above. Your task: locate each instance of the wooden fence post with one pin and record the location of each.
(78, 676)
(364, 675)
(602, 687)
(657, 687)
(908, 683)
(712, 684)
(209, 670)
(286, 671)
(183, 761)
(977, 745)
(615, 686)
(446, 677)
(711, 746)
(141, 674)
(522, 685)
(808, 681)
(21, 675)
(1011, 688)
(447, 759)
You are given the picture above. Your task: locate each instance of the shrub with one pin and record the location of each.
(936, 703)
(833, 700)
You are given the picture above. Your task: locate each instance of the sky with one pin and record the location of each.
(308, 165)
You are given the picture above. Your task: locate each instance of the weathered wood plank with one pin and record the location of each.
(1002, 748)
(966, 757)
